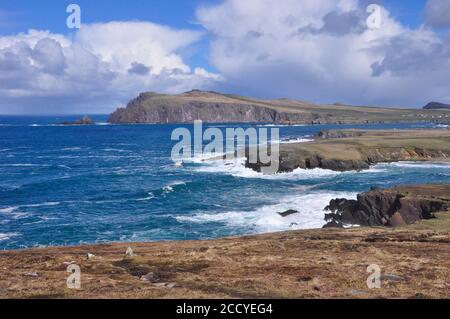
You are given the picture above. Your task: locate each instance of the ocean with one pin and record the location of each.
(71, 185)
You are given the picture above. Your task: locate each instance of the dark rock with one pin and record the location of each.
(83, 121)
(290, 161)
(334, 224)
(288, 213)
(383, 208)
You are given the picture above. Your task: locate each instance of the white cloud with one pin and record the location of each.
(322, 50)
(103, 65)
(437, 13)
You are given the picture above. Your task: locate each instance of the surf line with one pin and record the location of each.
(260, 149)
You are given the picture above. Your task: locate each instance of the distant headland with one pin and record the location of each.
(214, 107)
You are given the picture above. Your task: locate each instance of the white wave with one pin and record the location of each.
(8, 210)
(266, 218)
(237, 168)
(170, 188)
(71, 149)
(149, 197)
(24, 165)
(13, 209)
(5, 150)
(438, 165)
(115, 150)
(42, 204)
(442, 126)
(296, 140)
(6, 236)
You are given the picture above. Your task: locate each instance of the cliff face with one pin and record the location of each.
(213, 107)
(205, 106)
(291, 159)
(395, 207)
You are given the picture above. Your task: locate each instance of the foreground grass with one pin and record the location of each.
(299, 264)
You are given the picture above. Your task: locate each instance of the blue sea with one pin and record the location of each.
(70, 185)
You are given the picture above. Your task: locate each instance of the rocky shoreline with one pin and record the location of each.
(395, 207)
(355, 150)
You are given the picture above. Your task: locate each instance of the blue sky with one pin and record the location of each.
(50, 15)
(22, 15)
(319, 51)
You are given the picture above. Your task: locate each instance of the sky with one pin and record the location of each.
(323, 51)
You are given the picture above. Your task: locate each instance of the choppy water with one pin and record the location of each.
(89, 184)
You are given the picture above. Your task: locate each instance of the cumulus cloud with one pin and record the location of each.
(322, 50)
(437, 13)
(100, 67)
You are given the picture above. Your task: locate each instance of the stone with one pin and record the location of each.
(150, 277)
(171, 285)
(32, 274)
(129, 252)
(288, 213)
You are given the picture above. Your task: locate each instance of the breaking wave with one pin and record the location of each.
(265, 219)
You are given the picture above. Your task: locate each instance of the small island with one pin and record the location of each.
(85, 120)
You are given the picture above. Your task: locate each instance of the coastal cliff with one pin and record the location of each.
(213, 107)
(358, 149)
(208, 106)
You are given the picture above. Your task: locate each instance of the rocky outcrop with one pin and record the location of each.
(355, 150)
(392, 207)
(86, 120)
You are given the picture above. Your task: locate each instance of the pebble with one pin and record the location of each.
(32, 274)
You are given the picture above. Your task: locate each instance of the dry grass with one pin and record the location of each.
(300, 264)
(357, 148)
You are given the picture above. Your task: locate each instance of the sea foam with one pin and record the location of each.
(266, 218)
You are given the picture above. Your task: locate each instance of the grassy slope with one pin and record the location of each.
(355, 148)
(339, 111)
